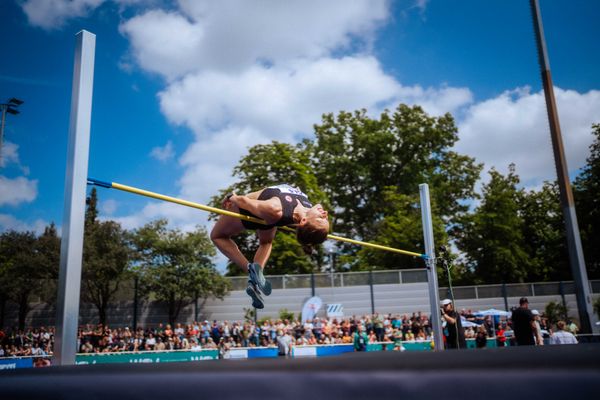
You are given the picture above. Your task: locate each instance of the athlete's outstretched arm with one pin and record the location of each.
(270, 210)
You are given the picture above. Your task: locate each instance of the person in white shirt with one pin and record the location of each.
(561, 336)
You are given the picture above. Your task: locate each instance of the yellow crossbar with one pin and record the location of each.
(202, 207)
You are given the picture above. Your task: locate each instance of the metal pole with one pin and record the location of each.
(372, 295)
(196, 307)
(504, 294)
(434, 296)
(135, 303)
(4, 107)
(576, 260)
(71, 251)
(312, 283)
(561, 288)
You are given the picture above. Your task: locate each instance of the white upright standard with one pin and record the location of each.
(434, 297)
(71, 250)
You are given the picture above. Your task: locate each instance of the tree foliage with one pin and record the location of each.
(27, 262)
(106, 258)
(366, 171)
(357, 158)
(544, 240)
(176, 266)
(492, 236)
(586, 190)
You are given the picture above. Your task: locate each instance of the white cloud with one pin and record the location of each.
(9, 222)
(231, 112)
(52, 14)
(276, 101)
(238, 76)
(109, 206)
(17, 190)
(164, 153)
(513, 128)
(229, 36)
(10, 154)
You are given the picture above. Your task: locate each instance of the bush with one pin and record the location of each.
(555, 312)
(249, 314)
(285, 314)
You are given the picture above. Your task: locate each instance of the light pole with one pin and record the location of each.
(9, 107)
(332, 271)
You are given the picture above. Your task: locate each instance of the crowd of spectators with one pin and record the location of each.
(194, 336)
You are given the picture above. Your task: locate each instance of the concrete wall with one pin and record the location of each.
(389, 298)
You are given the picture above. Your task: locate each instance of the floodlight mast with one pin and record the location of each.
(575, 250)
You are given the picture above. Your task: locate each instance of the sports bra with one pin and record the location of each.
(288, 195)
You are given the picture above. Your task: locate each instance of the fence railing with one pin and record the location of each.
(126, 290)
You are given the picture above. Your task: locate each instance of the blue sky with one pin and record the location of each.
(183, 88)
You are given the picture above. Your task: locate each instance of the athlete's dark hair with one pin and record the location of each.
(309, 236)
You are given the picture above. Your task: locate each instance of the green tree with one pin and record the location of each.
(266, 165)
(555, 312)
(543, 234)
(401, 228)
(358, 160)
(48, 248)
(586, 190)
(106, 259)
(25, 267)
(492, 236)
(176, 266)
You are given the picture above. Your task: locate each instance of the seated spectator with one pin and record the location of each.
(195, 345)
(150, 342)
(210, 343)
(160, 345)
(562, 336)
(346, 338)
(398, 336)
(372, 338)
(168, 332)
(572, 327)
(481, 338)
(86, 347)
(301, 341)
(469, 333)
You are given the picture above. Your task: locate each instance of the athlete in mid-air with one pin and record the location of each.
(281, 205)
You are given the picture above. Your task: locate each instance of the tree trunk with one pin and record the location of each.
(23, 309)
(102, 313)
(2, 311)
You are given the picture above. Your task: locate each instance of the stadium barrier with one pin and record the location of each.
(233, 354)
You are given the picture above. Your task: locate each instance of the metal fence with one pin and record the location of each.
(346, 279)
(126, 305)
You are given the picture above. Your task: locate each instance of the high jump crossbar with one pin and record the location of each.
(158, 196)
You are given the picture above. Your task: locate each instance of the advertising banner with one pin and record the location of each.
(263, 352)
(14, 363)
(331, 350)
(311, 308)
(146, 357)
(304, 351)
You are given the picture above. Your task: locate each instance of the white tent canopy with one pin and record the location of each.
(493, 312)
